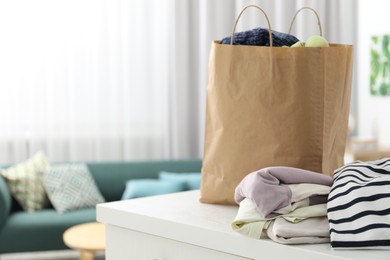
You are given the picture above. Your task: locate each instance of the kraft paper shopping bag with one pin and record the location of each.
(273, 106)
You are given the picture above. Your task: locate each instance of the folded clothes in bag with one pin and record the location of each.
(260, 37)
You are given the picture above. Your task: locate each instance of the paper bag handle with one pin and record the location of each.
(308, 8)
(238, 18)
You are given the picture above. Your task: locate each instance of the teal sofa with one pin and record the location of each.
(42, 230)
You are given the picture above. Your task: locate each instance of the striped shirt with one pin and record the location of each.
(359, 205)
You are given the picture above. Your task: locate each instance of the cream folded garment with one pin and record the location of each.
(304, 225)
(309, 231)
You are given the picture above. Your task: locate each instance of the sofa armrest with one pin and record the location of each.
(5, 201)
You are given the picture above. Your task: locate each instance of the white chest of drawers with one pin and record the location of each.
(179, 227)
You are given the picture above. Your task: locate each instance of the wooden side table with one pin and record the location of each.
(88, 238)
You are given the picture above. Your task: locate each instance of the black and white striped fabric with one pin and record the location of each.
(359, 205)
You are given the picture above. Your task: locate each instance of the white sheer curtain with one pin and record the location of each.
(85, 80)
(122, 79)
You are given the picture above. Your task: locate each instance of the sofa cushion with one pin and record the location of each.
(41, 230)
(5, 201)
(25, 184)
(111, 177)
(150, 187)
(71, 186)
(191, 181)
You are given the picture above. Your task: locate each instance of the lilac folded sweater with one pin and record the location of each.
(269, 187)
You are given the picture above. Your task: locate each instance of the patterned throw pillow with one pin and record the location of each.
(24, 181)
(70, 187)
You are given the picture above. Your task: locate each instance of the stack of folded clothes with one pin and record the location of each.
(286, 204)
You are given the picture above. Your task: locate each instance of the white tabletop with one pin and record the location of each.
(180, 216)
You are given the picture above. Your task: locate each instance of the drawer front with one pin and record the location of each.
(132, 245)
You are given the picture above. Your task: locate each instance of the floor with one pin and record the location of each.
(50, 255)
